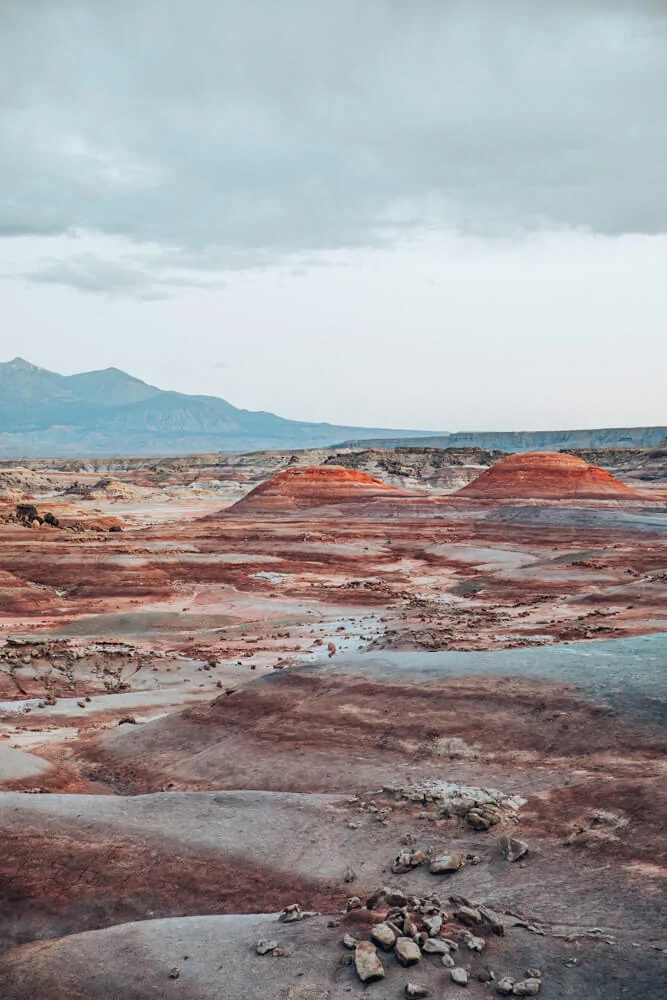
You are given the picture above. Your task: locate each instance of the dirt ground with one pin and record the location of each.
(218, 711)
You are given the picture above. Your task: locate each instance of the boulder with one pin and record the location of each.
(513, 848)
(366, 962)
(446, 864)
(407, 951)
(459, 976)
(384, 935)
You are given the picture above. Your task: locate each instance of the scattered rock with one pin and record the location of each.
(513, 848)
(349, 941)
(386, 897)
(448, 961)
(263, 947)
(475, 943)
(527, 988)
(446, 864)
(174, 973)
(413, 990)
(353, 903)
(435, 946)
(407, 951)
(366, 962)
(459, 976)
(468, 915)
(433, 924)
(505, 986)
(384, 935)
(484, 817)
(350, 875)
(405, 861)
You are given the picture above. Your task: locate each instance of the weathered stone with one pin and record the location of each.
(413, 990)
(386, 897)
(407, 951)
(492, 921)
(446, 864)
(475, 943)
(384, 935)
(505, 986)
(405, 861)
(483, 817)
(263, 947)
(291, 913)
(459, 976)
(433, 924)
(527, 988)
(513, 848)
(366, 962)
(354, 903)
(436, 946)
(308, 991)
(448, 961)
(350, 875)
(468, 915)
(349, 941)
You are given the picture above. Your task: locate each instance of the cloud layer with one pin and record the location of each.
(240, 132)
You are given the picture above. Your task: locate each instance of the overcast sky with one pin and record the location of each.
(439, 214)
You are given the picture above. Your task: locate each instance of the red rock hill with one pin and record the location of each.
(316, 486)
(546, 475)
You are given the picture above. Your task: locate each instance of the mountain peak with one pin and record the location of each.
(20, 364)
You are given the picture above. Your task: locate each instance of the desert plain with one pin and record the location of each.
(323, 724)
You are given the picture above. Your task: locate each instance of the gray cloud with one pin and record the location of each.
(236, 132)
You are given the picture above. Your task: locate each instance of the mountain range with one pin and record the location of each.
(99, 413)
(108, 412)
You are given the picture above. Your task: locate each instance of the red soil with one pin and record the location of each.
(547, 476)
(314, 486)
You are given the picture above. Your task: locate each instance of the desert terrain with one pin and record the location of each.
(334, 723)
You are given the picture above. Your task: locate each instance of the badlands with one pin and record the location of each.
(334, 724)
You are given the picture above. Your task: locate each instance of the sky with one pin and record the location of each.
(440, 215)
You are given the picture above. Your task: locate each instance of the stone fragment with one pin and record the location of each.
(174, 973)
(468, 915)
(483, 817)
(291, 913)
(459, 976)
(353, 903)
(492, 921)
(386, 897)
(448, 961)
(415, 991)
(433, 924)
(407, 951)
(446, 864)
(384, 935)
(513, 848)
(349, 941)
(505, 986)
(527, 988)
(475, 943)
(350, 875)
(263, 947)
(366, 962)
(405, 861)
(435, 946)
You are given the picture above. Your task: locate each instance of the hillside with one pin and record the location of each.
(109, 412)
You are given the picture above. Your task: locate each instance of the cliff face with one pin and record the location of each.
(518, 441)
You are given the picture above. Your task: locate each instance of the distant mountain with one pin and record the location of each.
(111, 413)
(515, 441)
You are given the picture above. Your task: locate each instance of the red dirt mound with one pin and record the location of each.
(316, 486)
(546, 475)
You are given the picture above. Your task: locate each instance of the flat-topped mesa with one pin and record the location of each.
(545, 475)
(316, 486)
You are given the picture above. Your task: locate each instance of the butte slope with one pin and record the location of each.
(547, 476)
(315, 486)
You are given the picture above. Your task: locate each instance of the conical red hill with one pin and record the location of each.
(546, 475)
(316, 486)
